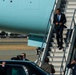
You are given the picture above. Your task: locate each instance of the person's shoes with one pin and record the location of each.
(60, 48)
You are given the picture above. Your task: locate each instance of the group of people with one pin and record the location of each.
(46, 66)
(59, 22)
(3, 69)
(20, 57)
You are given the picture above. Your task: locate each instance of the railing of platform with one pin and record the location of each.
(70, 38)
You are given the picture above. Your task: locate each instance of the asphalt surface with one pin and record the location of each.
(11, 47)
(7, 54)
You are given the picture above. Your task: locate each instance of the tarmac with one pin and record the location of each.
(11, 47)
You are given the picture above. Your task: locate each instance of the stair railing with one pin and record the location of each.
(68, 71)
(48, 34)
(68, 41)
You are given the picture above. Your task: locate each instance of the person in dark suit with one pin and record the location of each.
(59, 21)
(3, 69)
(49, 68)
(24, 57)
(72, 65)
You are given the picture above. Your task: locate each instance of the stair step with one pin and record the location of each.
(73, 7)
(69, 14)
(69, 20)
(71, 2)
(56, 58)
(57, 69)
(69, 25)
(55, 49)
(57, 73)
(56, 64)
(55, 41)
(56, 54)
(55, 45)
(69, 10)
(64, 31)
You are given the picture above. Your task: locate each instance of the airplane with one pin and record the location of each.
(26, 17)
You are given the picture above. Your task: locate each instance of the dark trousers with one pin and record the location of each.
(59, 35)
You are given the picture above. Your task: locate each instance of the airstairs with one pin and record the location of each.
(60, 58)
